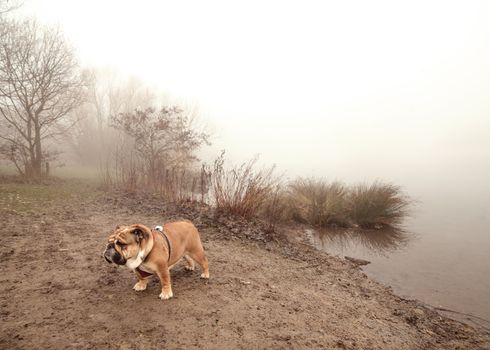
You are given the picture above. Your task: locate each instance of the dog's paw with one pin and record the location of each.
(205, 275)
(166, 295)
(139, 286)
(190, 268)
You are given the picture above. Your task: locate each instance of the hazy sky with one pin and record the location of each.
(345, 89)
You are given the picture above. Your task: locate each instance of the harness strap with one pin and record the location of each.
(169, 246)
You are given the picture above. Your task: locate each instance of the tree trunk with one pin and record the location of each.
(32, 154)
(37, 162)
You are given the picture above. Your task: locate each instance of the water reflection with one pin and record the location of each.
(378, 242)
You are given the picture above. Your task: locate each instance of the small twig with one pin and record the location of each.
(356, 261)
(312, 265)
(462, 313)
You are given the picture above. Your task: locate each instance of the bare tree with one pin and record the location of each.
(162, 139)
(40, 84)
(109, 93)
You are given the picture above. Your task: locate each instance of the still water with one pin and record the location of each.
(441, 256)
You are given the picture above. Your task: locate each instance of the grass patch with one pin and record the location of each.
(377, 205)
(319, 203)
(76, 172)
(19, 196)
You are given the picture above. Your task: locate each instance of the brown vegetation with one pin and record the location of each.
(377, 205)
(323, 204)
(156, 152)
(161, 140)
(241, 190)
(249, 192)
(319, 203)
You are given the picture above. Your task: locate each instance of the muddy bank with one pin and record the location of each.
(264, 292)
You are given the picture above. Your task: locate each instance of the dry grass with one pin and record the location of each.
(377, 205)
(276, 208)
(241, 190)
(125, 171)
(318, 202)
(178, 185)
(245, 191)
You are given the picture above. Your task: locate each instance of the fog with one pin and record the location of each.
(349, 90)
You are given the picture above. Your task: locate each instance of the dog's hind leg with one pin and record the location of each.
(201, 259)
(190, 263)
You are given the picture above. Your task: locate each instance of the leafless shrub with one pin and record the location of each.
(276, 208)
(162, 139)
(241, 190)
(155, 152)
(377, 205)
(178, 185)
(124, 171)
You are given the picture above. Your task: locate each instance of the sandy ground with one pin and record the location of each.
(57, 292)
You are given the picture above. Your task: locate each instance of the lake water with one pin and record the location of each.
(442, 257)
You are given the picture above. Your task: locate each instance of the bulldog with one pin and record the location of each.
(154, 252)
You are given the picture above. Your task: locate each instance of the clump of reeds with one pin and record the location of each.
(318, 202)
(377, 205)
(241, 190)
(326, 204)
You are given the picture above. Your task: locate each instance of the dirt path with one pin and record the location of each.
(57, 292)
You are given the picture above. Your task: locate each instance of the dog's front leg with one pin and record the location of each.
(164, 275)
(142, 282)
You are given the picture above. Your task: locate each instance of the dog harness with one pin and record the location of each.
(169, 247)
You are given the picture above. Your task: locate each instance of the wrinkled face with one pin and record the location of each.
(124, 244)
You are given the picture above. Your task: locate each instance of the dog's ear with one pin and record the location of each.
(139, 234)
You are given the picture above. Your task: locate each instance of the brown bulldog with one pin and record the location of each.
(148, 252)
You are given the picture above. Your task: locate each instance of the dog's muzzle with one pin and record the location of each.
(112, 256)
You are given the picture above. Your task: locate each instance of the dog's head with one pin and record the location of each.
(126, 243)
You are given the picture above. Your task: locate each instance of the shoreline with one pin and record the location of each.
(394, 267)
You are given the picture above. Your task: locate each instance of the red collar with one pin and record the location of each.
(143, 273)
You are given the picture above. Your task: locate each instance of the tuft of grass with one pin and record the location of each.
(377, 205)
(319, 203)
